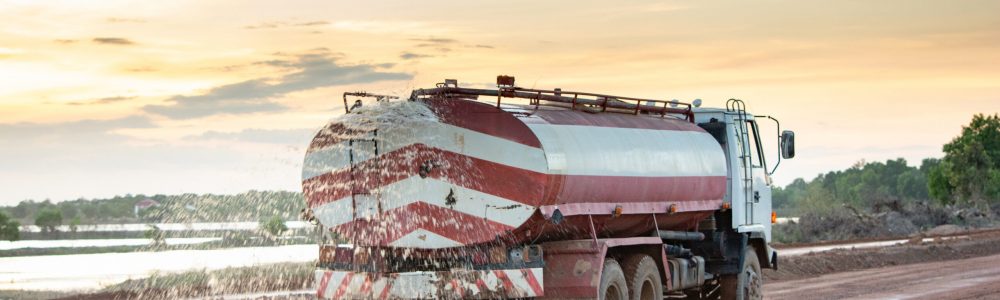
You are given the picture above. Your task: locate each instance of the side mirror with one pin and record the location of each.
(787, 144)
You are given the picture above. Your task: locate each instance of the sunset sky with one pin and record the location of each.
(99, 98)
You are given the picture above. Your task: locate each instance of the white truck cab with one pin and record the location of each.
(748, 190)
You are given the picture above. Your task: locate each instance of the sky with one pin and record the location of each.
(104, 98)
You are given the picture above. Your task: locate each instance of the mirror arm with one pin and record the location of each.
(779, 143)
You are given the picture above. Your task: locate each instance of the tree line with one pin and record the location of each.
(968, 175)
(248, 206)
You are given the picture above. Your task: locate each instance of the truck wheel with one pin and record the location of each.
(643, 278)
(613, 285)
(748, 284)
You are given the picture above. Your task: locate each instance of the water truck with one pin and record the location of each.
(512, 192)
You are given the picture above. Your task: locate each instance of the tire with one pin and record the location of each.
(643, 278)
(748, 284)
(613, 285)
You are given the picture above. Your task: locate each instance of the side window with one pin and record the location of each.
(755, 151)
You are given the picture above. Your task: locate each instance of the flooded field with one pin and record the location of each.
(7, 245)
(82, 272)
(203, 226)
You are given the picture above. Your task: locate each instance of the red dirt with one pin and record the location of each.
(951, 269)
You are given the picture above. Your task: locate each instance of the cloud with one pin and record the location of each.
(439, 43)
(83, 130)
(297, 136)
(112, 41)
(8, 52)
(124, 20)
(384, 26)
(411, 55)
(143, 69)
(445, 44)
(436, 41)
(104, 100)
(279, 24)
(93, 158)
(65, 41)
(312, 23)
(276, 63)
(312, 70)
(264, 25)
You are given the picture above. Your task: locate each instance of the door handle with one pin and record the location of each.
(756, 197)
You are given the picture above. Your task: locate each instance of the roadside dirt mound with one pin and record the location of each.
(814, 264)
(947, 229)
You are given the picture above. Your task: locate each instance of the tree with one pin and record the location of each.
(273, 225)
(48, 219)
(155, 234)
(970, 170)
(74, 224)
(9, 229)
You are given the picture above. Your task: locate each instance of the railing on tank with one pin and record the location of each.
(590, 102)
(357, 103)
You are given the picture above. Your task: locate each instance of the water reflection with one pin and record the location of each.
(93, 271)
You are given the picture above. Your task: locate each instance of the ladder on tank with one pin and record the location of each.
(739, 108)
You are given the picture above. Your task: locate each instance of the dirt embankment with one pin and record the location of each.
(952, 247)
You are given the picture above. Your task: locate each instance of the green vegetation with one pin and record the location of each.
(249, 206)
(74, 224)
(864, 185)
(9, 229)
(48, 219)
(970, 170)
(155, 234)
(274, 226)
(893, 199)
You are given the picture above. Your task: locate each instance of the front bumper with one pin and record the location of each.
(456, 284)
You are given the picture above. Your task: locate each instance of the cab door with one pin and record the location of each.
(760, 196)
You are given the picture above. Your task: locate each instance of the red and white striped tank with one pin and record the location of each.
(450, 172)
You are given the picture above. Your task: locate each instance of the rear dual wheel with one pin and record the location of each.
(613, 285)
(639, 280)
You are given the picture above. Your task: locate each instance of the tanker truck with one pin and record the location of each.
(511, 192)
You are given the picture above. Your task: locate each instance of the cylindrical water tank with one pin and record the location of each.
(451, 172)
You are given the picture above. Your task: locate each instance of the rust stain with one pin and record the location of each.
(460, 141)
(582, 267)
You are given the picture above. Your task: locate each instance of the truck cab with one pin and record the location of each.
(749, 183)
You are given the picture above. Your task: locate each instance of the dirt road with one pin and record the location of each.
(972, 278)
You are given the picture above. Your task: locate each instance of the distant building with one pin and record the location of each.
(144, 204)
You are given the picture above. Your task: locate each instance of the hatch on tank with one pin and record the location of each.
(363, 191)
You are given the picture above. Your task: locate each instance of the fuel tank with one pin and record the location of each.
(446, 172)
